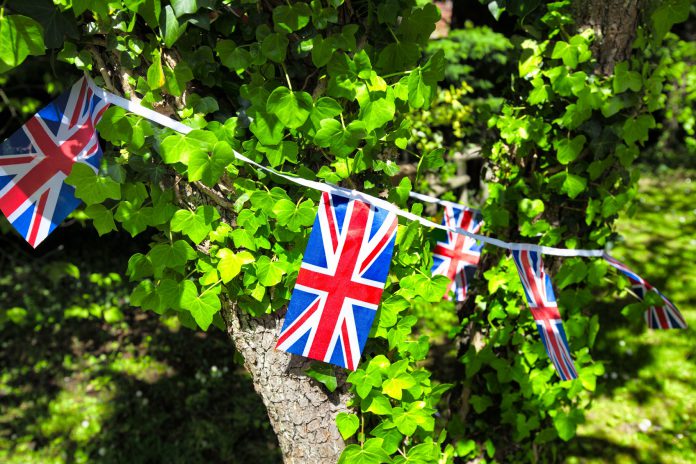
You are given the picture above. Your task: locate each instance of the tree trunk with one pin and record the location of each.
(301, 410)
(615, 23)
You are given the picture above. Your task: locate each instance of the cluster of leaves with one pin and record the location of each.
(676, 145)
(318, 89)
(326, 90)
(567, 136)
(21, 37)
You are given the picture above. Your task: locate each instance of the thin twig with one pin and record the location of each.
(215, 196)
(102, 67)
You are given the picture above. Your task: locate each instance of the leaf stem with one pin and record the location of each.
(400, 73)
(287, 77)
(392, 33)
(212, 286)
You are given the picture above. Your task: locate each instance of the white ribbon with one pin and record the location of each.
(177, 126)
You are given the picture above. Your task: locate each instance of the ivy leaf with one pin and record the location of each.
(168, 292)
(330, 129)
(636, 129)
(294, 216)
(341, 141)
(290, 18)
(431, 160)
(422, 82)
(20, 37)
(376, 113)
(230, 264)
(201, 306)
(394, 386)
(269, 272)
(233, 57)
(155, 73)
(285, 151)
(183, 7)
(209, 169)
(178, 148)
(267, 128)
(567, 52)
(420, 94)
(103, 219)
(322, 51)
(323, 374)
(291, 108)
(195, 226)
(347, 424)
(90, 187)
(405, 422)
(139, 266)
(133, 218)
(566, 423)
(667, 14)
(176, 79)
(274, 47)
(325, 107)
(625, 79)
(174, 255)
(567, 150)
(364, 381)
(572, 271)
(573, 185)
(170, 27)
(371, 452)
(626, 154)
(144, 295)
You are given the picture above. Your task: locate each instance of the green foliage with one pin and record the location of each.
(337, 92)
(87, 379)
(567, 136)
(21, 37)
(674, 95)
(647, 389)
(321, 90)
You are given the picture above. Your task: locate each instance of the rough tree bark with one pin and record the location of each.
(301, 410)
(614, 23)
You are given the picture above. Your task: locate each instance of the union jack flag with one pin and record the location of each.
(35, 160)
(457, 256)
(340, 282)
(542, 303)
(657, 317)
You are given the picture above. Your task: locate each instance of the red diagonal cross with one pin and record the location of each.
(57, 158)
(341, 285)
(456, 255)
(536, 284)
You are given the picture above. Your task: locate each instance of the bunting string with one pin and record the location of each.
(177, 126)
(345, 266)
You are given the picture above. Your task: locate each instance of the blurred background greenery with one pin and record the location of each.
(86, 378)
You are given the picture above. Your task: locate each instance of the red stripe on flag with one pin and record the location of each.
(531, 278)
(333, 230)
(298, 323)
(38, 215)
(8, 161)
(380, 246)
(345, 342)
(76, 110)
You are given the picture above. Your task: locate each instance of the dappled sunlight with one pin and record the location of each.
(86, 380)
(646, 403)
